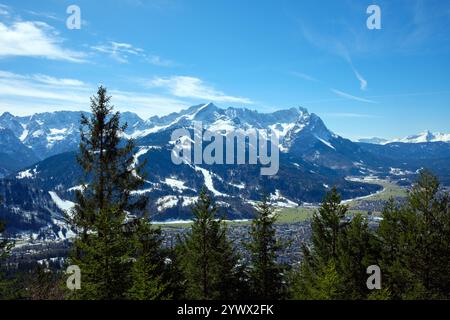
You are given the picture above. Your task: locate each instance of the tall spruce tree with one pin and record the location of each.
(318, 269)
(5, 245)
(4, 249)
(206, 256)
(149, 272)
(326, 225)
(358, 248)
(416, 243)
(105, 248)
(265, 274)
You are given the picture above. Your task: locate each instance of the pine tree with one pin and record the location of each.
(3, 254)
(357, 249)
(326, 226)
(149, 269)
(105, 248)
(44, 284)
(416, 243)
(326, 285)
(393, 230)
(265, 275)
(5, 245)
(318, 266)
(206, 257)
(5, 249)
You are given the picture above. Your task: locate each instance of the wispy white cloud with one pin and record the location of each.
(118, 51)
(45, 15)
(336, 47)
(195, 88)
(43, 89)
(351, 97)
(342, 51)
(158, 61)
(121, 52)
(34, 39)
(23, 94)
(4, 10)
(58, 81)
(146, 105)
(304, 76)
(362, 81)
(350, 115)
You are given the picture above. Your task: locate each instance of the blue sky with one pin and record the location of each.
(160, 56)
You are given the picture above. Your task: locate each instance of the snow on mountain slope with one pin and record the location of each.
(51, 133)
(312, 160)
(422, 137)
(157, 128)
(209, 182)
(29, 173)
(64, 205)
(426, 136)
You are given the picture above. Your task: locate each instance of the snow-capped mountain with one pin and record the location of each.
(426, 136)
(51, 133)
(312, 159)
(47, 134)
(422, 137)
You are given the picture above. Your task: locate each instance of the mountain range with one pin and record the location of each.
(422, 137)
(40, 173)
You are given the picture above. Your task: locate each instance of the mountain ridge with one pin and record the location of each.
(422, 137)
(312, 159)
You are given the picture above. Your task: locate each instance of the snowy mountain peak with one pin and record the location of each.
(50, 133)
(423, 137)
(426, 136)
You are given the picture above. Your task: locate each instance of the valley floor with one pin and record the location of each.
(292, 226)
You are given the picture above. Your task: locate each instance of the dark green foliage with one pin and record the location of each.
(335, 267)
(265, 274)
(5, 248)
(206, 257)
(45, 284)
(3, 253)
(326, 225)
(111, 250)
(318, 276)
(105, 259)
(416, 243)
(411, 247)
(357, 250)
(149, 269)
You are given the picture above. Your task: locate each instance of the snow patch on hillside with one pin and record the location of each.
(188, 201)
(325, 142)
(278, 200)
(27, 174)
(64, 205)
(24, 134)
(166, 202)
(239, 186)
(207, 176)
(176, 184)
